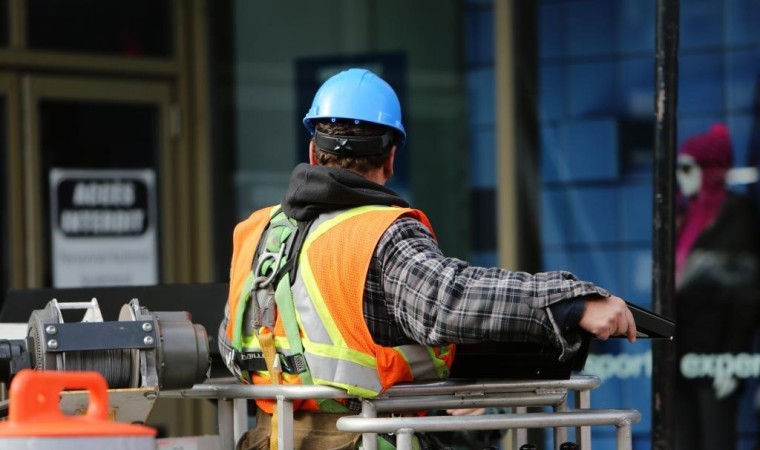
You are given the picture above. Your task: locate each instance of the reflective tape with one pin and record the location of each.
(418, 359)
(355, 378)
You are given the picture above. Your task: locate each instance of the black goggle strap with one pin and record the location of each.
(353, 145)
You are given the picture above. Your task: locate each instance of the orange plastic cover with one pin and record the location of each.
(34, 410)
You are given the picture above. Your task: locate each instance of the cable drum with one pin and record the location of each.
(114, 365)
(164, 350)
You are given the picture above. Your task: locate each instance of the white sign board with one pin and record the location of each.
(104, 227)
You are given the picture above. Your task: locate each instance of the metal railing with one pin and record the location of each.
(451, 394)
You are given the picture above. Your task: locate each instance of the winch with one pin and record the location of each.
(164, 350)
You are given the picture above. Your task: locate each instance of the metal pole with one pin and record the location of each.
(623, 436)
(616, 417)
(583, 434)
(285, 431)
(240, 418)
(560, 433)
(225, 417)
(404, 439)
(369, 440)
(520, 434)
(663, 247)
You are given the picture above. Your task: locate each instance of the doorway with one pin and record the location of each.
(84, 86)
(95, 126)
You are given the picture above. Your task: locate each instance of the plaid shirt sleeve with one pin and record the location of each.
(436, 300)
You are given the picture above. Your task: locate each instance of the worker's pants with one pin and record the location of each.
(311, 431)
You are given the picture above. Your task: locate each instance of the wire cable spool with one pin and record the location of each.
(116, 365)
(142, 349)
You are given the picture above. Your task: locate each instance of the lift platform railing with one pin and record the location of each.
(405, 427)
(515, 394)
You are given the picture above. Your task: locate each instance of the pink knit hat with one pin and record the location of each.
(712, 149)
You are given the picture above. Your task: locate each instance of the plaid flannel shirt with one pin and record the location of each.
(416, 294)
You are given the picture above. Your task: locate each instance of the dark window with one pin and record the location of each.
(4, 25)
(131, 28)
(96, 135)
(81, 134)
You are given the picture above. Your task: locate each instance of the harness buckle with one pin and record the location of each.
(262, 281)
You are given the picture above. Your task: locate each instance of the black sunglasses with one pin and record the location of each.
(686, 167)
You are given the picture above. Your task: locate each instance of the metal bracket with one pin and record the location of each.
(83, 336)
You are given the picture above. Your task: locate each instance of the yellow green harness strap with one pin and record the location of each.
(281, 247)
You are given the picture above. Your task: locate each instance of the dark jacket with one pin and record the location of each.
(719, 295)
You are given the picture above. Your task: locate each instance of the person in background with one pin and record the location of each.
(344, 284)
(717, 276)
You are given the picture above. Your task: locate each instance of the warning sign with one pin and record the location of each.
(104, 230)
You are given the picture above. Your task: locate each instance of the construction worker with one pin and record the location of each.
(344, 285)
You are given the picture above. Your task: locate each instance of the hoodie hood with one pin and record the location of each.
(314, 190)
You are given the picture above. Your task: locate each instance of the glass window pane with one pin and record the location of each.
(87, 134)
(96, 135)
(4, 25)
(269, 107)
(594, 105)
(131, 28)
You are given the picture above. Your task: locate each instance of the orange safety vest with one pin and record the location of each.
(328, 293)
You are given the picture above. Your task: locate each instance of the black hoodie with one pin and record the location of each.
(314, 190)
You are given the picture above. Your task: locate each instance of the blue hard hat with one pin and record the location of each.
(357, 94)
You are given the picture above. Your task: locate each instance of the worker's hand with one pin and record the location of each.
(608, 316)
(466, 412)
